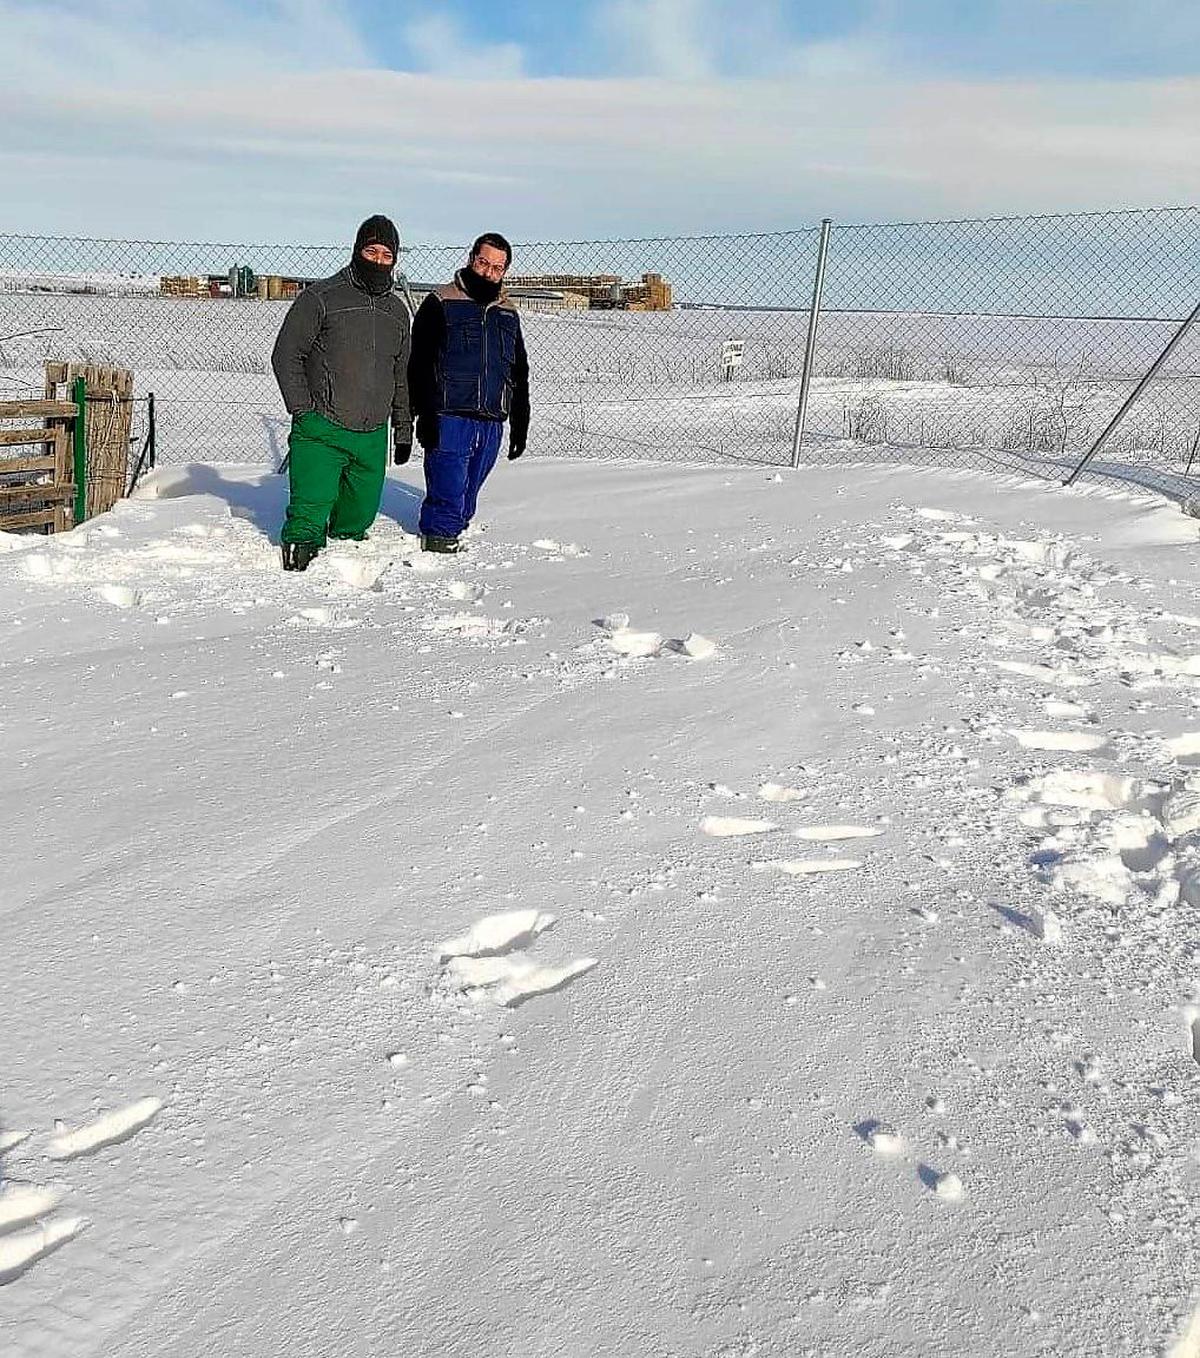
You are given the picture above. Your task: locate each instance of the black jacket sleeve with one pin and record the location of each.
(401, 414)
(295, 341)
(425, 357)
(519, 413)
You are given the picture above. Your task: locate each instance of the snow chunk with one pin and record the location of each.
(20, 1203)
(696, 647)
(728, 827)
(498, 933)
(507, 981)
(105, 1131)
(20, 1251)
(805, 867)
(830, 833)
(885, 1140)
(948, 1186)
(120, 596)
(1079, 741)
(637, 644)
(1048, 927)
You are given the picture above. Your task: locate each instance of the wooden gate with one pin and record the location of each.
(106, 428)
(43, 490)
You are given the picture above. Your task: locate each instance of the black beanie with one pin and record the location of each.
(378, 230)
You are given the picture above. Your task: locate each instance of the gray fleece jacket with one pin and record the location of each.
(344, 353)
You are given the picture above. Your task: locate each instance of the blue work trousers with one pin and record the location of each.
(455, 472)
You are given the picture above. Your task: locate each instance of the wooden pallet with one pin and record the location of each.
(27, 498)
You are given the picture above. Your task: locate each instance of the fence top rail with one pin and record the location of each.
(801, 230)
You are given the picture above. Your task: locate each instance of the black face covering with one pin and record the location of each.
(371, 277)
(477, 287)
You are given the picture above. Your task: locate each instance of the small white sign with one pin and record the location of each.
(732, 355)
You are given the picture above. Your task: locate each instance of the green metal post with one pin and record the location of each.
(80, 398)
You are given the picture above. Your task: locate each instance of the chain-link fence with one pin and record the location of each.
(1006, 343)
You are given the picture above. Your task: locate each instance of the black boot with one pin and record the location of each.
(297, 556)
(432, 543)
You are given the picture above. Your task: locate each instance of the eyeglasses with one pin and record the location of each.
(493, 270)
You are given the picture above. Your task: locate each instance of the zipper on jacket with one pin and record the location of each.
(374, 336)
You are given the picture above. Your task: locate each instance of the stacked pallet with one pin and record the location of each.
(181, 285)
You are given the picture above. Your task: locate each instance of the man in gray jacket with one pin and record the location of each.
(340, 362)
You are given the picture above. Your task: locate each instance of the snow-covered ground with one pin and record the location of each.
(719, 915)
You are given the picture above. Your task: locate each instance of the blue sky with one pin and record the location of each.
(238, 121)
(1118, 38)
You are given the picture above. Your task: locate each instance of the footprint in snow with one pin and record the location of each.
(359, 572)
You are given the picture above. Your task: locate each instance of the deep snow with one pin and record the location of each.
(463, 956)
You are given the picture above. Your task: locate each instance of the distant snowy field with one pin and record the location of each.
(719, 915)
(636, 384)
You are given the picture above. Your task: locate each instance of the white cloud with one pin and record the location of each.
(440, 47)
(704, 39)
(659, 37)
(281, 146)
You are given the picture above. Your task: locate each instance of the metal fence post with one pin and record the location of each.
(1174, 342)
(80, 450)
(810, 347)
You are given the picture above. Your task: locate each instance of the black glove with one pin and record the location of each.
(516, 446)
(427, 432)
(401, 452)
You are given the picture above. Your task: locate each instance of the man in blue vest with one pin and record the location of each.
(467, 375)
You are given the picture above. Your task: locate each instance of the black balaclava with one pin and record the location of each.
(477, 287)
(375, 278)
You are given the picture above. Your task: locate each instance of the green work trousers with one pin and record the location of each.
(336, 477)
